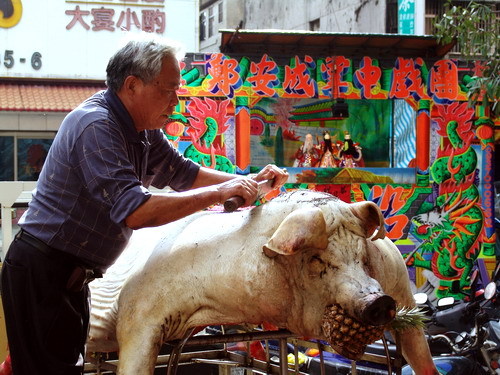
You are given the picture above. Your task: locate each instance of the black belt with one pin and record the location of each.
(81, 274)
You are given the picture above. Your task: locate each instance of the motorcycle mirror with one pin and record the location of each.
(490, 290)
(420, 298)
(445, 301)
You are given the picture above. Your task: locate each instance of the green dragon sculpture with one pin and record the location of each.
(207, 125)
(451, 228)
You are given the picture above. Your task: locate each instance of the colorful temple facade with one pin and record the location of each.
(427, 156)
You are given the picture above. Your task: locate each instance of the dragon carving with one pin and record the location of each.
(450, 228)
(207, 125)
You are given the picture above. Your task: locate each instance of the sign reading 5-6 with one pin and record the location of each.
(9, 61)
(10, 13)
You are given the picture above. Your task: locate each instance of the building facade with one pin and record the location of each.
(355, 16)
(54, 54)
(344, 16)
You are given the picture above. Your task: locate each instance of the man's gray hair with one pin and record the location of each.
(141, 57)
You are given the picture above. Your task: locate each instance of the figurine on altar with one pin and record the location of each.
(308, 154)
(329, 158)
(350, 153)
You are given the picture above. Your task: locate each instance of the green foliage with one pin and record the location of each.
(477, 34)
(408, 317)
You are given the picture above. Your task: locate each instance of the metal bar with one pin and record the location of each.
(175, 355)
(387, 354)
(381, 359)
(249, 354)
(268, 368)
(162, 360)
(321, 359)
(268, 356)
(296, 355)
(354, 370)
(236, 337)
(283, 356)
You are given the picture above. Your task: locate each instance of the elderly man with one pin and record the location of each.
(91, 194)
(308, 154)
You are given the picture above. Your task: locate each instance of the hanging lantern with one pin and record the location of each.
(174, 128)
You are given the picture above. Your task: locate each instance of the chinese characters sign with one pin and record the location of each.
(406, 16)
(333, 76)
(74, 39)
(106, 18)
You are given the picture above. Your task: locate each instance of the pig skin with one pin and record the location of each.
(249, 266)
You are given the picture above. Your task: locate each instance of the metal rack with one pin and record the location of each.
(226, 358)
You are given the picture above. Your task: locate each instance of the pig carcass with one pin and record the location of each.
(293, 262)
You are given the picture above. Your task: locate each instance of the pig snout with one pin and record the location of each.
(378, 309)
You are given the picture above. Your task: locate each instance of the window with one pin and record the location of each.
(203, 26)
(6, 158)
(314, 25)
(391, 25)
(22, 156)
(220, 12)
(433, 11)
(211, 19)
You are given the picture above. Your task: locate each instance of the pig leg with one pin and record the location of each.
(416, 351)
(138, 350)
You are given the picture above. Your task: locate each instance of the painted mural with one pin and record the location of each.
(205, 128)
(426, 158)
(278, 127)
(450, 224)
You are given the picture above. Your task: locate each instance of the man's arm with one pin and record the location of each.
(207, 177)
(210, 187)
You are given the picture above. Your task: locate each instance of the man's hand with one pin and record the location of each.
(243, 187)
(210, 187)
(272, 172)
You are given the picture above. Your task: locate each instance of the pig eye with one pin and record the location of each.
(316, 257)
(316, 267)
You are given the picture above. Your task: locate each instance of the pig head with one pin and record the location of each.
(304, 261)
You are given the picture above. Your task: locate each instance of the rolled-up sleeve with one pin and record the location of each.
(129, 201)
(169, 167)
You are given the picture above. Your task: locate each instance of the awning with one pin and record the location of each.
(321, 44)
(45, 97)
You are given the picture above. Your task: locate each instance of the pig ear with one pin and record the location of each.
(302, 229)
(372, 218)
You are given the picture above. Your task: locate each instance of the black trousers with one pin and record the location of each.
(47, 325)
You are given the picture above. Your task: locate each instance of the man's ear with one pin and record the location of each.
(130, 85)
(302, 229)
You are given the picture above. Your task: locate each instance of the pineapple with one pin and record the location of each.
(347, 335)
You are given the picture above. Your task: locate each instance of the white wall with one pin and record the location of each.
(30, 121)
(79, 53)
(358, 16)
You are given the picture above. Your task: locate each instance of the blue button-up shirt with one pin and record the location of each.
(97, 173)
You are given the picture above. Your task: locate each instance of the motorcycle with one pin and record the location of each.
(464, 336)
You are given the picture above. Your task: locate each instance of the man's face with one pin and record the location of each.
(308, 143)
(156, 101)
